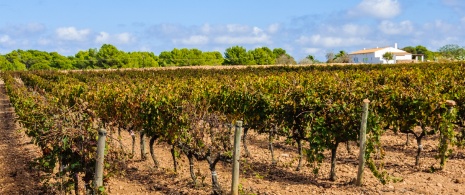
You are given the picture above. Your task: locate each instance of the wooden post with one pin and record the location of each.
(363, 129)
(236, 157)
(443, 137)
(98, 178)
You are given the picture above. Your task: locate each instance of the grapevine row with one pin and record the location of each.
(192, 109)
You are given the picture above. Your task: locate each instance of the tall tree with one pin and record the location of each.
(285, 59)
(85, 59)
(213, 58)
(452, 52)
(142, 59)
(109, 56)
(60, 62)
(279, 52)
(166, 59)
(236, 55)
(13, 59)
(263, 56)
(342, 57)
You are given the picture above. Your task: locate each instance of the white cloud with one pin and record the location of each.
(377, 8)
(103, 37)
(206, 28)
(6, 40)
(355, 30)
(193, 40)
(444, 41)
(122, 38)
(44, 42)
(34, 27)
(391, 28)
(237, 28)
(273, 28)
(257, 31)
(72, 34)
(312, 50)
(237, 40)
(332, 41)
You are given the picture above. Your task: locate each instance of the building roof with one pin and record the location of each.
(367, 50)
(400, 53)
(364, 51)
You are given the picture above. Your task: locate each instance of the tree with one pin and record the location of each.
(310, 59)
(388, 56)
(342, 57)
(85, 59)
(213, 58)
(236, 55)
(13, 62)
(420, 49)
(452, 52)
(263, 56)
(165, 59)
(330, 57)
(60, 62)
(6, 65)
(285, 59)
(29, 59)
(410, 49)
(279, 52)
(142, 59)
(110, 57)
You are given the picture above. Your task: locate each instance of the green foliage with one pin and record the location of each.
(237, 55)
(452, 52)
(420, 49)
(191, 109)
(388, 56)
(341, 57)
(108, 56)
(263, 56)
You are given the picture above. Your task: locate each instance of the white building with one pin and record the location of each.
(375, 56)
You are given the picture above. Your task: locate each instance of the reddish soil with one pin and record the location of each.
(16, 153)
(259, 177)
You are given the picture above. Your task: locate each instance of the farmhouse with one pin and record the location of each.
(375, 56)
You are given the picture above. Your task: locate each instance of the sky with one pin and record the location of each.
(301, 27)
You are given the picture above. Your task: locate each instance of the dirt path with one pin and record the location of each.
(16, 153)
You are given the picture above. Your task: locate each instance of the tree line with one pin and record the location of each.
(449, 52)
(108, 56)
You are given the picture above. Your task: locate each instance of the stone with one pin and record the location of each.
(459, 180)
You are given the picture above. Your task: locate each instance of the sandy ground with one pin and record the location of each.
(259, 177)
(16, 153)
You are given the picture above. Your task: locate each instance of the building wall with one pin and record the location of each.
(377, 57)
(367, 58)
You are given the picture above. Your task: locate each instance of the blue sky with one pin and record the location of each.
(302, 27)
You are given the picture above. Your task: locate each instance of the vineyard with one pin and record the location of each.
(304, 117)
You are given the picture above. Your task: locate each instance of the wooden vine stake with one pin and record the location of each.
(98, 179)
(236, 157)
(363, 130)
